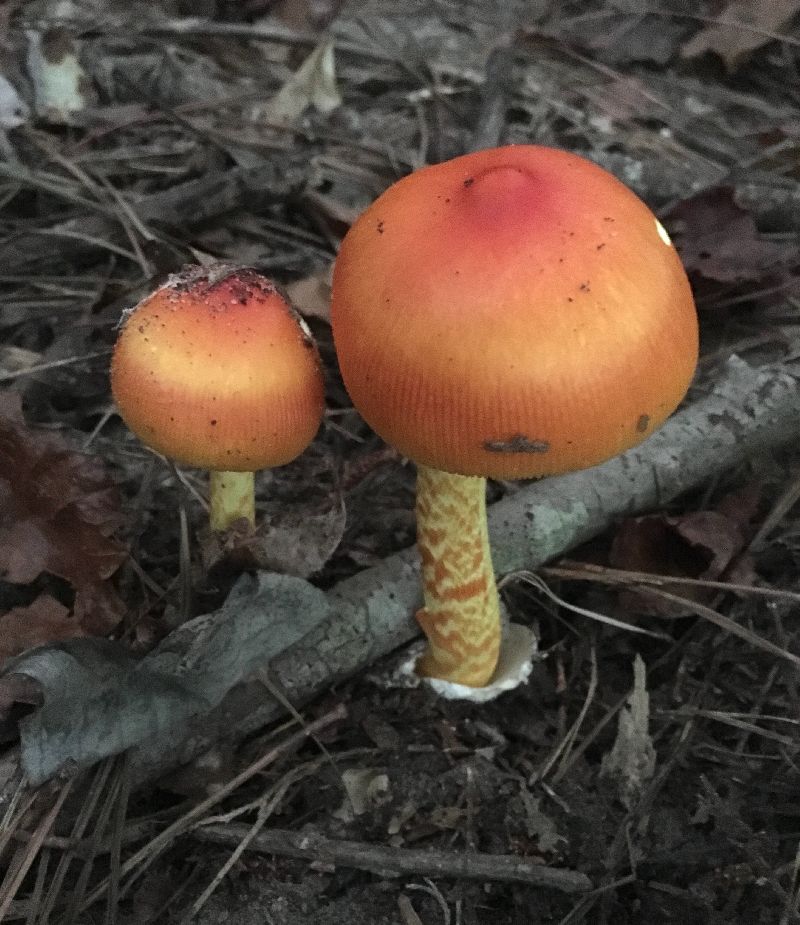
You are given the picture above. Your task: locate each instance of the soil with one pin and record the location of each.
(699, 821)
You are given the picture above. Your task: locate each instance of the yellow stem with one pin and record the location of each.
(461, 616)
(232, 498)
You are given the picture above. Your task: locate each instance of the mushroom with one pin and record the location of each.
(512, 313)
(216, 370)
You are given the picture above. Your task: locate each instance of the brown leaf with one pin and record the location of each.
(651, 544)
(98, 608)
(743, 26)
(700, 544)
(58, 508)
(718, 239)
(45, 620)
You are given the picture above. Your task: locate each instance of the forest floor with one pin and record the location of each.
(138, 137)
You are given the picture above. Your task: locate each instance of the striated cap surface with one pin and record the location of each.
(216, 370)
(512, 313)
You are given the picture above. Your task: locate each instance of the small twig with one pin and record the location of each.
(89, 802)
(730, 719)
(507, 868)
(767, 34)
(184, 205)
(725, 623)
(16, 873)
(588, 571)
(562, 752)
(267, 806)
(109, 788)
(783, 505)
(530, 578)
(491, 118)
(52, 364)
(436, 894)
(408, 912)
(265, 32)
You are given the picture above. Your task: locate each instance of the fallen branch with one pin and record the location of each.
(204, 684)
(506, 868)
(748, 412)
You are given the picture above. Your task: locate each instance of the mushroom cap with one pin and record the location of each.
(216, 370)
(512, 313)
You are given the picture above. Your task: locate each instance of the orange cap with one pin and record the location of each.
(216, 370)
(512, 313)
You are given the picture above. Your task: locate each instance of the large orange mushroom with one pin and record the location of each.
(513, 313)
(216, 370)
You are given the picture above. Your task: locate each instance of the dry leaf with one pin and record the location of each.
(61, 86)
(99, 700)
(297, 543)
(719, 240)
(313, 84)
(632, 759)
(744, 26)
(700, 544)
(539, 825)
(365, 788)
(98, 608)
(58, 508)
(58, 513)
(311, 296)
(45, 620)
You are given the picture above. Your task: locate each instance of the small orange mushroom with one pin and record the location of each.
(216, 370)
(513, 313)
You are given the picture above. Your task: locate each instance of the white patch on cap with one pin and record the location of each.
(662, 233)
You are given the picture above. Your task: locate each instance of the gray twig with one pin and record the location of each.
(310, 846)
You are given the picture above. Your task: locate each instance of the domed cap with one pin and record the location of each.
(216, 370)
(512, 313)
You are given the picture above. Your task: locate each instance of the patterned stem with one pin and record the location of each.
(232, 498)
(461, 616)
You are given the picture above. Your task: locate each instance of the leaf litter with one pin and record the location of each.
(59, 512)
(741, 28)
(176, 152)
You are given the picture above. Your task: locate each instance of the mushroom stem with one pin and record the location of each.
(461, 616)
(232, 498)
